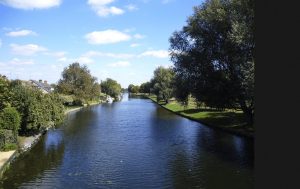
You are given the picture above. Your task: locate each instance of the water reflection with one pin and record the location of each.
(43, 159)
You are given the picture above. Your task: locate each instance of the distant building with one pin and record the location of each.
(43, 86)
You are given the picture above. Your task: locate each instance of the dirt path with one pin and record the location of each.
(4, 156)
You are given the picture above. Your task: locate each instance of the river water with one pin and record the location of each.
(132, 144)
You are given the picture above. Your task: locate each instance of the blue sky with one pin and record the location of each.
(121, 39)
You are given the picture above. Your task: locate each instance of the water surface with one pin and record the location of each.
(133, 144)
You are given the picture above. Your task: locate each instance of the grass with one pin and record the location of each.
(230, 120)
(67, 108)
(10, 146)
(93, 102)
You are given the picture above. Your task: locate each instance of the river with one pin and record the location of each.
(132, 144)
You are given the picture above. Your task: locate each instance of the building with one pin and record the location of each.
(43, 86)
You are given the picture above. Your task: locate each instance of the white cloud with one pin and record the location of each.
(82, 60)
(16, 61)
(31, 4)
(0, 43)
(26, 50)
(100, 2)
(139, 36)
(105, 11)
(106, 37)
(131, 7)
(120, 64)
(63, 59)
(157, 53)
(110, 55)
(102, 9)
(59, 54)
(135, 45)
(20, 33)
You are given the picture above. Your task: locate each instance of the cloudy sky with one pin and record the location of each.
(121, 39)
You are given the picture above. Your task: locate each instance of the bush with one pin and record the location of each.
(10, 120)
(67, 99)
(9, 146)
(79, 102)
(38, 110)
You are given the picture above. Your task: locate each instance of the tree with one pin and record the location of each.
(111, 88)
(145, 87)
(10, 120)
(5, 92)
(163, 81)
(214, 54)
(135, 89)
(37, 110)
(130, 88)
(76, 80)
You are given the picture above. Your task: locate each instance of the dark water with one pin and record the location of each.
(133, 144)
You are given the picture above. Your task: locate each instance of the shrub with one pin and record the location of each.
(38, 110)
(9, 146)
(67, 99)
(10, 120)
(79, 102)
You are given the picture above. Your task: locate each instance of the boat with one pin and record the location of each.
(109, 99)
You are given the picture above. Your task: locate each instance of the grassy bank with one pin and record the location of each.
(229, 120)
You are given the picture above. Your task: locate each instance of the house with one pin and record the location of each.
(43, 86)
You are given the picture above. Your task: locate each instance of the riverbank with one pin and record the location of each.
(229, 121)
(5, 159)
(26, 143)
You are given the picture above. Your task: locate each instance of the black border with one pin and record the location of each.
(277, 83)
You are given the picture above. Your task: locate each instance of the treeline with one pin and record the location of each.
(143, 88)
(213, 58)
(78, 87)
(25, 110)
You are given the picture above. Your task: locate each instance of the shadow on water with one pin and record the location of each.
(202, 157)
(42, 159)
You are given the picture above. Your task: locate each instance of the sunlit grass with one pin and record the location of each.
(228, 118)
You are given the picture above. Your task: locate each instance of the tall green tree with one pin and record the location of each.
(130, 88)
(163, 83)
(112, 88)
(5, 92)
(213, 54)
(77, 80)
(10, 120)
(145, 87)
(37, 110)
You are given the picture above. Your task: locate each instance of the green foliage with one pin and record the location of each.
(5, 92)
(111, 88)
(163, 83)
(37, 110)
(67, 99)
(133, 88)
(145, 87)
(57, 108)
(130, 88)
(9, 146)
(77, 80)
(10, 120)
(214, 55)
(7, 137)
